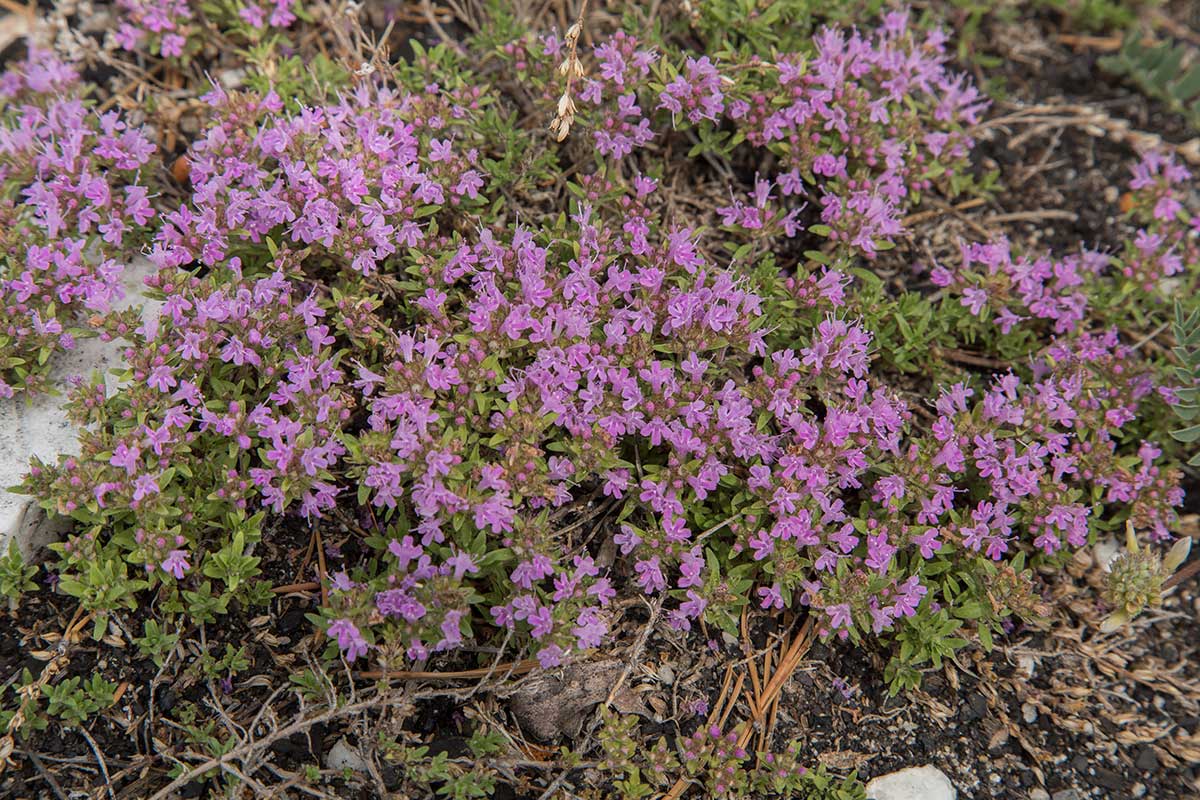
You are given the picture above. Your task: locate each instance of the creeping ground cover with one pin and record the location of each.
(546, 403)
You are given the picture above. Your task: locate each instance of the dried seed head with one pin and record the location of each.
(560, 126)
(566, 106)
(1177, 554)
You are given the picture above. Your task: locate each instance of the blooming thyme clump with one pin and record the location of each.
(169, 458)
(861, 124)
(74, 200)
(355, 326)
(237, 401)
(519, 343)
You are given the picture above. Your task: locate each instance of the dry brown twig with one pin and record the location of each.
(572, 69)
(306, 586)
(764, 704)
(1036, 215)
(28, 10)
(507, 670)
(1092, 121)
(16, 25)
(108, 784)
(922, 216)
(1106, 44)
(249, 756)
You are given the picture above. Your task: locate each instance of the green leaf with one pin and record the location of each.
(1187, 435)
(985, 637)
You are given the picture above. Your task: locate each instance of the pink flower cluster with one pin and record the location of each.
(863, 125)
(164, 27)
(1013, 288)
(1017, 288)
(80, 204)
(623, 68)
(764, 214)
(872, 118)
(696, 92)
(1169, 240)
(354, 179)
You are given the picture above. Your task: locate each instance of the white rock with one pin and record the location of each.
(231, 78)
(38, 426)
(914, 783)
(666, 674)
(342, 755)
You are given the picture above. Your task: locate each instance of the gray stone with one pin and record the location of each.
(914, 783)
(343, 756)
(557, 702)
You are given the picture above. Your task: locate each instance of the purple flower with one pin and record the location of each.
(125, 457)
(839, 616)
(541, 622)
(532, 570)
(550, 656)
(348, 638)
(910, 596)
(771, 596)
(461, 563)
(176, 564)
(589, 630)
(405, 551)
(695, 92)
(144, 486)
(974, 300)
(650, 576)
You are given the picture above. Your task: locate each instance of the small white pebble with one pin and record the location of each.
(1027, 664)
(666, 675)
(914, 783)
